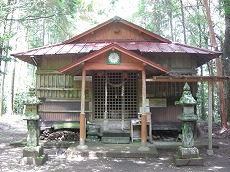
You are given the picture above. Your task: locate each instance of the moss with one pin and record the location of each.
(18, 143)
(41, 157)
(67, 125)
(176, 156)
(198, 158)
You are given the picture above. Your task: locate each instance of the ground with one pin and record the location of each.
(13, 128)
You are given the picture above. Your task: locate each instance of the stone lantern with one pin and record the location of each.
(187, 153)
(33, 152)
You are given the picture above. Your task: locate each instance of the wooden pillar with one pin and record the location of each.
(210, 112)
(106, 127)
(82, 115)
(143, 116)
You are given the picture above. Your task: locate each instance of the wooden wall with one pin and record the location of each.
(168, 92)
(176, 63)
(53, 85)
(62, 93)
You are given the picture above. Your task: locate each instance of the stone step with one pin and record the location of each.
(116, 134)
(115, 140)
(116, 137)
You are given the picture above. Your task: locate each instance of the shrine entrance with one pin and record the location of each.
(115, 96)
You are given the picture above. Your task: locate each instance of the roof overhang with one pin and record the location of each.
(74, 68)
(202, 55)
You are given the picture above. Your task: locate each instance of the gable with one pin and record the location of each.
(117, 29)
(139, 62)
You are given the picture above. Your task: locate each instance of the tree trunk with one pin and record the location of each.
(223, 115)
(11, 95)
(1, 83)
(11, 107)
(0, 57)
(183, 21)
(2, 89)
(210, 25)
(156, 19)
(199, 25)
(226, 55)
(2, 70)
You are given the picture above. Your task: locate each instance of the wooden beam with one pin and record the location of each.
(62, 111)
(187, 79)
(57, 89)
(122, 66)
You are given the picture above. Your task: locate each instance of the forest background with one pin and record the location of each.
(26, 24)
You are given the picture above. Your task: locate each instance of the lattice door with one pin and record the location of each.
(121, 94)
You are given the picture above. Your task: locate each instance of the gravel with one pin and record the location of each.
(13, 128)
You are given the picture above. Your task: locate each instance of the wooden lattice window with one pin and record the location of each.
(121, 94)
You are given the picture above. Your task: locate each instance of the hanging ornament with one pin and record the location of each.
(125, 75)
(100, 74)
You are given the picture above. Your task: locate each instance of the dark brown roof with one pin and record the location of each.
(203, 55)
(159, 45)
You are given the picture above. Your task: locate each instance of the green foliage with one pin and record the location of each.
(22, 98)
(226, 6)
(4, 46)
(19, 99)
(44, 20)
(5, 58)
(156, 15)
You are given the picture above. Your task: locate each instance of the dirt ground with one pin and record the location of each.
(13, 128)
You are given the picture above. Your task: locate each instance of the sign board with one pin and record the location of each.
(79, 78)
(159, 102)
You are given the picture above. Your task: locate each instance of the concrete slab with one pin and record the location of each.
(175, 145)
(158, 144)
(112, 150)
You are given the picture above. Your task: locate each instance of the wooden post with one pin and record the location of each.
(143, 115)
(106, 127)
(210, 111)
(82, 115)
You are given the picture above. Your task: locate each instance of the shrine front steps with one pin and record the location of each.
(116, 137)
(112, 151)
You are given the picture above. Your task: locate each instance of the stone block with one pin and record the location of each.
(93, 133)
(188, 161)
(94, 139)
(188, 152)
(34, 160)
(33, 151)
(41, 159)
